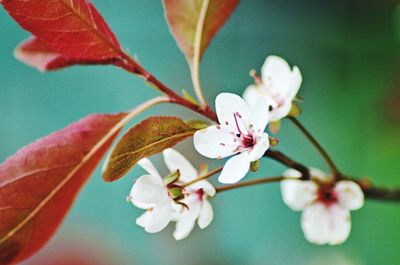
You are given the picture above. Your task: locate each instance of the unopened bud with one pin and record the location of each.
(274, 126)
(255, 165)
(273, 141)
(295, 111)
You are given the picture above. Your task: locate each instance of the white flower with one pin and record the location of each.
(279, 87)
(150, 193)
(196, 196)
(240, 133)
(326, 207)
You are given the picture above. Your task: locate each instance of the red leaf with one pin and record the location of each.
(37, 54)
(189, 26)
(40, 182)
(73, 28)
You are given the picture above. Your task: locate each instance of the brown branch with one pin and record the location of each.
(285, 160)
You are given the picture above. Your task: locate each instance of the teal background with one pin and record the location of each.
(348, 54)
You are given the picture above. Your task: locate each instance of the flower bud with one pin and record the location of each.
(255, 165)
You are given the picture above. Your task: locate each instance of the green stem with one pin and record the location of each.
(321, 150)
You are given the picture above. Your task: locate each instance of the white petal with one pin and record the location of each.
(227, 104)
(350, 195)
(147, 191)
(253, 93)
(205, 185)
(175, 160)
(215, 142)
(259, 115)
(235, 169)
(292, 173)
(278, 78)
(319, 175)
(296, 81)
(259, 148)
(186, 221)
(144, 219)
(206, 214)
(298, 194)
(326, 225)
(149, 167)
(156, 220)
(281, 112)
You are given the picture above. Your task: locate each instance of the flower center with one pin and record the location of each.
(327, 195)
(245, 138)
(200, 194)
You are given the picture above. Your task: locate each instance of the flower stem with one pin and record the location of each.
(316, 144)
(206, 176)
(250, 183)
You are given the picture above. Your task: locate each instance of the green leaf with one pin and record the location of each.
(145, 139)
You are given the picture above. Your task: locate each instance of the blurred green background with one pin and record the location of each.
(348, 54)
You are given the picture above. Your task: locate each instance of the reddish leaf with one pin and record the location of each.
(145, 139)
(73, 28)
(37, 54)
(185, 21)
(40, 182)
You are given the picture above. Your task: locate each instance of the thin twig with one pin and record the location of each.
(206, 176)
(250, 183)
(316, 144)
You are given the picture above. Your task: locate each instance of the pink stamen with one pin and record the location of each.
(247, 140)
(235, 116)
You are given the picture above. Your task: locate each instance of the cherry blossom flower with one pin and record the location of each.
(326, 206)
(196, 196)
(279, 86)
(240, 132)
(152, 193)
